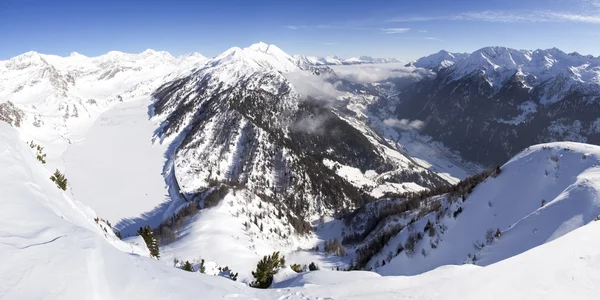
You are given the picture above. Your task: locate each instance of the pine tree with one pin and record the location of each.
(266, 269)
(150, 240)
(202, 268)
(187, 266)
(59, 179)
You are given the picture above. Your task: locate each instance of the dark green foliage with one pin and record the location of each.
(413, 201)
(214, 196)
(227, 273)
(266, 269)
(151, 242)
(118, 234)
(187, 266)
(166, 231)
(457, 212)
(202, 268)
(374, 246)
(296, 268)
(39, 154)
(59, 179)
(313, 267)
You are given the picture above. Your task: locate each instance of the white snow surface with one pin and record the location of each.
(542, 194)
(56, 251)
(117, 169)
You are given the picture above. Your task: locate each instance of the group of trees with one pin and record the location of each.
(334, 247)
(411, 201)
(57, 177)
(39, 152)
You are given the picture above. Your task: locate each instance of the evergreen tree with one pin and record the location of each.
(150, 240)
(59, 179)
(202, 268)
(266, 269)
(187, 266)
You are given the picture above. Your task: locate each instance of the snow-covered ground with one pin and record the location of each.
(541, 194)
(57, 251)
(117, 169)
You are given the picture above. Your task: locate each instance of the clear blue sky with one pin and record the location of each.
(405, 29)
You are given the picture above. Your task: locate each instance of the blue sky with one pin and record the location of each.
(405, 29)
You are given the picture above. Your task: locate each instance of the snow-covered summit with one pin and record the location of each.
(553, 68)
(442, 59)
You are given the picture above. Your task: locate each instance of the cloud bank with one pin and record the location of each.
(405, 124)
(378, 72)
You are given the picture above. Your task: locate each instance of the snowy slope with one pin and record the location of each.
(543, 193)
(57, 252)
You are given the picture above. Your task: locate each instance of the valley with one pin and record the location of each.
(254, 151)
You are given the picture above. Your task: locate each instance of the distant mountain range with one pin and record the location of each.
(334, 60)
(494, 102)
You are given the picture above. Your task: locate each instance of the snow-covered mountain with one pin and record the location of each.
(242, 121)
(58, 251)
(55, 98)
(436, 61)
(540, 195)
(335, 60)
(495, 101)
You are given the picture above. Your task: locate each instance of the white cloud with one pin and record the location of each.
(405, 124)
(394, 30)
(317, 86)
(430, 38)
(422, 31)
(377, 72)
(294, 27)
(497, 16)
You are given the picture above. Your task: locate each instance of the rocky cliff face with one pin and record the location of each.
(240, 121)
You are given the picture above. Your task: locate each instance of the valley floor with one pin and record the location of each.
(116, 170)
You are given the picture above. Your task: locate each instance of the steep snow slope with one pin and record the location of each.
(567, 268)
(57, 251)
(543, 193)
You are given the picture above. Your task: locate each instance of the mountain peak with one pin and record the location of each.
(260, 46)
(31, 58)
